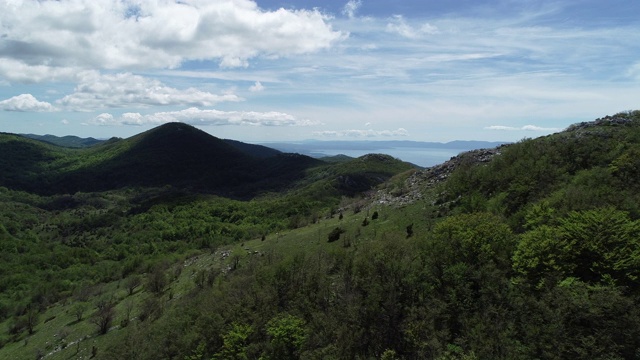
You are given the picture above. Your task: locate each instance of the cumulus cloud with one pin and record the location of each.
(26, 103)
(525, 128)
(362, 133)
(195, 116)
(257, 87)
(19, 71)
(99, 91)
(104, 119)
(351, 7)
(399, 26)
(50, 38)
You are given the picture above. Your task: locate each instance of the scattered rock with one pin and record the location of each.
(428, 178)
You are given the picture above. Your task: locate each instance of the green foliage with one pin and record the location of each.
(287, 336)
(600, 245)
(579, 169)
(235, 343)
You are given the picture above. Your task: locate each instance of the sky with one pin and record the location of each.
(269, 70)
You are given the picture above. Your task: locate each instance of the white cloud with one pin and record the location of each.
(19, 71)
(100, 91)
(634, 71)
(25, 103)
(399, 26)
(104, 119)
(195, 116)
(257, 87)
(49, 39)
(362, 133)
(351, 7)
(538, 128)
(525, 128)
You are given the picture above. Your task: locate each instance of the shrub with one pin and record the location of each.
(334, 235)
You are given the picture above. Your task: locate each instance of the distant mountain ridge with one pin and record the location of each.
(306, 147)
(173, 154)
(70, 141)
(315, 148)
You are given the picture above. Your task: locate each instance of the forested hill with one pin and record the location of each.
(526, 251)
(172, 154)
(65, 141)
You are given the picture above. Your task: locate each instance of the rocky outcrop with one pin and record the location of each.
(417, 184)
(428, 178)
(615, 120)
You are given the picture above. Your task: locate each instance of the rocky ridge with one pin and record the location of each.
(416, 184)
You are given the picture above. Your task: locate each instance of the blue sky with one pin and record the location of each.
(272, 70)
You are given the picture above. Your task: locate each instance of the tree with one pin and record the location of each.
(409, 230)
(287, 336)
(103, 317)
(78, 310)
(132, 283)
(594, 245)
(129, 305)
(475, 239)
(627, 166)
(334, 235)
(157, 280)
(31, 318)
(235, 343)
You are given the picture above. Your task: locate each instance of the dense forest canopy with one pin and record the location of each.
(530, 252)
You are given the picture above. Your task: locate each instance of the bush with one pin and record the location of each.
(334, 235)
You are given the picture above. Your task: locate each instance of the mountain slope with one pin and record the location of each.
(65, 141)
(173, 154)
(258, 151)
(23, 160)
(586, 166)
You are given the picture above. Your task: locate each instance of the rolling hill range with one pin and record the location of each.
(528, 250)
(173, 154)
(69, 141)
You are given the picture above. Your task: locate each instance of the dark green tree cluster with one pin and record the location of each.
(471, 288)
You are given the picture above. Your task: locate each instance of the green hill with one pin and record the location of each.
(174, 154)
(65, 141)
(258, 151)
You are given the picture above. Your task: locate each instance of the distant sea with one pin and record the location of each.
(424, 154)
(424, 157)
